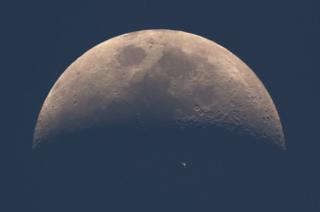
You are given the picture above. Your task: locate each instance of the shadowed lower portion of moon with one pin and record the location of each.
(159, 78)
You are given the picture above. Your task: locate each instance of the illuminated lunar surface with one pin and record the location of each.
(161, 78)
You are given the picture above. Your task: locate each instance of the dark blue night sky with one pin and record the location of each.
(279, 40)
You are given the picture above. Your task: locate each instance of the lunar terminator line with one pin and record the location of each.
(159, 78)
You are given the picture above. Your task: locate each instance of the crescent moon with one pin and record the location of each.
(159, 78)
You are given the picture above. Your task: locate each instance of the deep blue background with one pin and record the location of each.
(279, 40)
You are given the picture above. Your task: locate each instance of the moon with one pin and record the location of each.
(159, 78)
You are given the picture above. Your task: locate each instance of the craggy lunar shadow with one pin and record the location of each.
(159, 169)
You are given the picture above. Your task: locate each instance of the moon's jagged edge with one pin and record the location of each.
(159, 76)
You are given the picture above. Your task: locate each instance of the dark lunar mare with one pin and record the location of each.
(159, 168)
